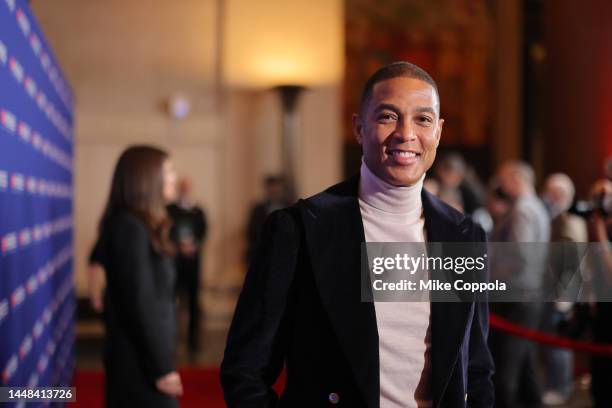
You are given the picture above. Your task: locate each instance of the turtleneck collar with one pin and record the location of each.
(386, 197)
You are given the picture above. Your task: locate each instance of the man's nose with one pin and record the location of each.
(405, 131)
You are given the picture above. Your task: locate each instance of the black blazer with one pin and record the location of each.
(139, 313)
(300, 306)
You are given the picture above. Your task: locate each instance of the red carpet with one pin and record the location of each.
(201, 386)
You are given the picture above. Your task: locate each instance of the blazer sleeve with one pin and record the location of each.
(136, 295)
(254, 352)
(480, 388)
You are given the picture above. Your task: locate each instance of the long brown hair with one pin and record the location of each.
(137, 187)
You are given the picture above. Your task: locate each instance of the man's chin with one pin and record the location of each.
(403, 180)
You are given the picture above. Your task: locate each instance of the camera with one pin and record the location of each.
(602, 204)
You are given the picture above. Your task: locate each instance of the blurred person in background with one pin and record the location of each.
(275, 198)
(523, 266)
(188, 232)
(431, 184)
(134, 249)
(449, 171)
(558, 196)
(472, 190)
(600, 232)
(496, 206)
(459, 185)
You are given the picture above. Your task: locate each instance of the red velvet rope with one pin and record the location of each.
(514, 329)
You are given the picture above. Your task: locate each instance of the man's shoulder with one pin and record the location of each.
(338, 194)
(442, 215)
(434, 206)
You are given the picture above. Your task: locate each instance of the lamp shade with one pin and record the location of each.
(278, 42)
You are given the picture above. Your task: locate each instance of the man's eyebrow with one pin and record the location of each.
(386, 106)
(423, 109)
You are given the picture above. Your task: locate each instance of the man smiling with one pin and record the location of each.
(301, 302)
(399, 125)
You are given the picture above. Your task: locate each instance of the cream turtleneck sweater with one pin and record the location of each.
(395, 214)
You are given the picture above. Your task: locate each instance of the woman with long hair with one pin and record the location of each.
(139, 303)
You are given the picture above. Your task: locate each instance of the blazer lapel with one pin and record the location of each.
(334, 233)
(448, 320)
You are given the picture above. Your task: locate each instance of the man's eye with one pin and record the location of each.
(386, 117)
(425, 119)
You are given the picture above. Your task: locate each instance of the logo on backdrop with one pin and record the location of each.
(36, 185)
(9, 242)
(8, 120)
(23, 22)
(3, 53)
(17, 182)
(16, 69)
(3, 180)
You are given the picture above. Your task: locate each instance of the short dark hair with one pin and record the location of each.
(395, 70)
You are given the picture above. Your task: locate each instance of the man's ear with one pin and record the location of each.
(439, 131)
(357, 127)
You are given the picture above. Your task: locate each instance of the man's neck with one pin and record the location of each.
(386, 197)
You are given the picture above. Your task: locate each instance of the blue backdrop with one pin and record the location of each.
(36, 149)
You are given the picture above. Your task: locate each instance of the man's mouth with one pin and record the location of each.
(403, 153)
(404, 157)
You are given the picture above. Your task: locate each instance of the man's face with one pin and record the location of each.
(275, 191)
(399, 130)
(552, 192)
(184, 188)
(508, 181)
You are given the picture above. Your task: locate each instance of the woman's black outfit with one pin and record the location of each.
(139, 313)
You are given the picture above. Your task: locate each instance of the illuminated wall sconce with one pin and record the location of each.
(179, 106)
(287, 45)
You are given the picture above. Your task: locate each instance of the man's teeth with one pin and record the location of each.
(403, 154)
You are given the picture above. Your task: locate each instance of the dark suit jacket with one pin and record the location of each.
(139, 313)
(193, 218)
(300, 306)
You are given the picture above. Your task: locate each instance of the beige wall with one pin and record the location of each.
(123, 60)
